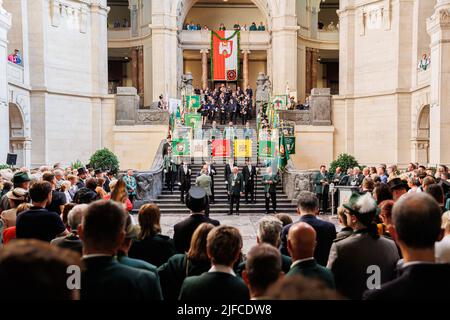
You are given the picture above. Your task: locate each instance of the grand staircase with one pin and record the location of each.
(169, 203)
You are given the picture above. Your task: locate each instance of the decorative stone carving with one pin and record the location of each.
(300, 117)
(263, 88)
(375, 16)
(296, 181)
(187, 87)
(320, 102)
(152, 116)
(77, 14)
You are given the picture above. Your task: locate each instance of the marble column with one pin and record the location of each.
(5, 25)
(308, 72)
(314, 67)
(204, 53)
(141, 72)
(438, 27)
(284, 55)
(245, 71)
(134, 67)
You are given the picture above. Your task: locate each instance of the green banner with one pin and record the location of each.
(181, 147)
(283, 155)
(192, 103)
(266, 149)
(290, 144)
(193, 120)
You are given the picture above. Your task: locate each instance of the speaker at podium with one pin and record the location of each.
(11, 159)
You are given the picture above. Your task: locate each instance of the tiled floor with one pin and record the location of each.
(247, 224)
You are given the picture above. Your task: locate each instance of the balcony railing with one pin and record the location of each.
(15, 73)
(249, 39)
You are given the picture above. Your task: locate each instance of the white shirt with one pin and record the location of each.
(300, 261)
(222, 268)
(87, 256)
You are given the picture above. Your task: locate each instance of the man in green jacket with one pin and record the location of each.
(170, 169)
(270, 181)
(235, 189)
(301, 245)
(322, 187)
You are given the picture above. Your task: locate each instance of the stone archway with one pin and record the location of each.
(19, 143)
(182, 8)
(422, 139)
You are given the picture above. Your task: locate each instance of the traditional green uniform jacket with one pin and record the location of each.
(236, 184)
(270, 188)
(317, 182)
(311, 269)
(169, 163)
(204, 182)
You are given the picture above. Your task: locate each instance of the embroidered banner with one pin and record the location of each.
(225, 55)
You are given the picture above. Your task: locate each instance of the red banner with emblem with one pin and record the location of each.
(221, 148)
(225, 55)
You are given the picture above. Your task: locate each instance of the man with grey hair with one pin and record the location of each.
(72, 241)
(308, 208)
(59, 175)
(357, 178)
(236, 187)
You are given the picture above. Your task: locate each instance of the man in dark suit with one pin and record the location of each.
(262, 269)
(183, 231)
(301, 244)
(228, 168)
(421, 277)
(104, 278)
(249, 173)
(235, 189)
(357, 178)
(270, 181)
(184, 179)
(322, 187)
(82, 176)
(223, 247)
(308, 208)
(166, 146)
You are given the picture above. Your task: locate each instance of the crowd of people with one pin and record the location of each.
(224, 104)
(397, 247)
(191, 26)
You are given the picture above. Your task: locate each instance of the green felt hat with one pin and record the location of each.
(361, 204)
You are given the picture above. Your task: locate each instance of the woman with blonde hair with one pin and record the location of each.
(181, 266)
(151, 245)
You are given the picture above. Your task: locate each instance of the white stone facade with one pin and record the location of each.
(387, 111)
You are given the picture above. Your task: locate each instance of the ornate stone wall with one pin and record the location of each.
(296, 181)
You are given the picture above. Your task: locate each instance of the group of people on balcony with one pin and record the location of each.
(15, 57)
(121, 24)
(253, 27)
(330, 27)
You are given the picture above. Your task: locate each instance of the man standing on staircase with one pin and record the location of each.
(204, 182)
(236, 187)
(228, 170)
(170, 169)
(269, 182)
(184, 179)
(249, 173)
(211, 171)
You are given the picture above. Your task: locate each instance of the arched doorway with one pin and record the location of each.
(18, 142)
(422, 140)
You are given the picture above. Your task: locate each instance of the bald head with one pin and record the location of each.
(301, 241)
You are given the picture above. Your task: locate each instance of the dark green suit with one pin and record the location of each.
(214, 286)
(311, 269)
(322, 189)
(175, 270)
(104, 278)
(236, 186)
(270, 191)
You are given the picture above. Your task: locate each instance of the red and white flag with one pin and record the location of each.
(225, 55)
